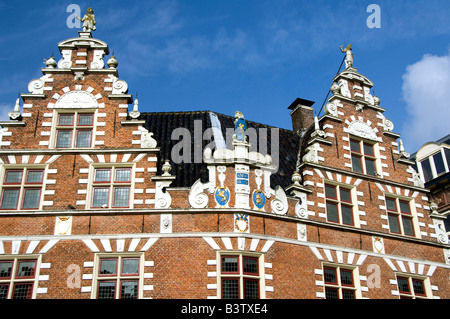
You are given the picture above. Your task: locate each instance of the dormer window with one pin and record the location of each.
(74, 130)
(435, 165)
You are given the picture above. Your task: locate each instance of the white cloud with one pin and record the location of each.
(426, 92)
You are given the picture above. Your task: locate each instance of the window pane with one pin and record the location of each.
(370, 167)
(123, 175)
(332, 213)
(403, 285)
(250, 265)
(102, 175)
(390, 204)
(330, 191)
(408, 226)
(9, 199)
(129, 290)
(26, 268)
(108, 266)
(346, 277)
(31, 198)
(418, 287)
(345, 195)
(106, 290)
(121, 196)
(101, 196)
(426, 168)
(447, 156)
(251, 289)
(5, 269)
(393, 223)
(230, 288)
(329, 275)
(65, 119)
(130, 266)
(63, 139)
(404, 207)
(85, 119)
(356, 164)
(331, 293)
(84, 139)
(229, 264)
(35, 177)
(347, 215)
(23, 291)
(13, 177)
(368, 149)
(4, 291)
(348, 294)
(439, 163)
(354, 146)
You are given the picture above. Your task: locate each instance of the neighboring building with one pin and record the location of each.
(102, 201)
(433, 165)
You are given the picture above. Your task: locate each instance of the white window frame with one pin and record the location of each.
(13, 279)
(240, 275)
(355, 275)
(433, 165)
(118, 277)
(112, 184)
(409, 277)
(412, 208)
(23, 185)
(74, 128)
(354, 202)
(376, 155)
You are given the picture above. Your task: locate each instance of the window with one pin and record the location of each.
(239, 277)
(435, 165)
(22, 189)
(74, 130)
(118, 277)
(399, 216)
(339, 204)
(339, 282)
(111, 187)
(17, 278)
(411, 287)
(363, 157)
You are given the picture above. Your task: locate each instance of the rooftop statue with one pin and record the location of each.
(88, 20)
(349, 56)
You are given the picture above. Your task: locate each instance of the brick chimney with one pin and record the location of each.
(301, 114)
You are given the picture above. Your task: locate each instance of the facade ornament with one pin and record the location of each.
(88, 20)
(401, 149)
(362, 129)
(50, 63)
(36, 86)
(15, 114)
(166, 223)
(66, 60)
(317, 131)
(335, 88)
(147, 140)
(311, 155)
(240, 127)
(135, 113)
(112, 62)
(279, 204)
(348, 56)
(359, 107)
(197, 196)
(166, 168)
(416, 178)
(368, 97)
(331, 109)
(344, 88)
(376, 100)
(97, 61)
(301, 232)
(119, 87)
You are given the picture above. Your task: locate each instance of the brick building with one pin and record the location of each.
(99, 200)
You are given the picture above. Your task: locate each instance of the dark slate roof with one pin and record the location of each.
(162, 124)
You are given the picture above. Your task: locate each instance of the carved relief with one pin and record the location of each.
(362, 129)
(97, 62)
(36, 86)
(279, 204)
(147, 140)
(77, 100)
(331, 109)
(344, 88)
(120, 87)
(66, 61)
(197, 197)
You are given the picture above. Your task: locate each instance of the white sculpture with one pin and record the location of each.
(88, 21)
(348, 56)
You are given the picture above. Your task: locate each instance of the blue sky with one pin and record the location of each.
(255, 56)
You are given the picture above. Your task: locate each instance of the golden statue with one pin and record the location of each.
(88, 20)
(349, 56)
